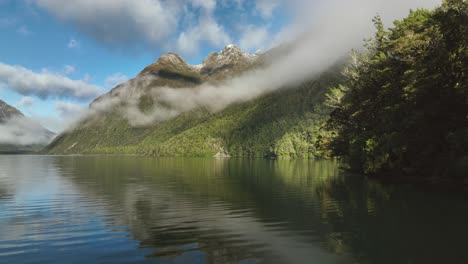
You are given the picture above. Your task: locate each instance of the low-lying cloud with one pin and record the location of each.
(69, 110)
(325, 33)
(115, 79)
(45, 84)
(22, 131)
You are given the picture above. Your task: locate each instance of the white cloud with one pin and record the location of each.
(208, 32)
(266, 7)
(115, 79)
(321, 43)
(254, 38)
(68, 69)
(68, 110)
(25, 102)
(119, 23)
(73, 44)
(208, 5)
(145, 24)
(23, 131)
(68, 114)
(45, 84)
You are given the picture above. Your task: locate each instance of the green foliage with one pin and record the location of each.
(404, 104)
(282, 124)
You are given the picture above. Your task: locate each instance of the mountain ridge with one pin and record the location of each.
(215, 62)
(282, 123)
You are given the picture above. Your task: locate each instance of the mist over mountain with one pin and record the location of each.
(264, 104)
(172, 108)
(19, 133)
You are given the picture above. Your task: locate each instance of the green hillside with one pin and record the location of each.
(284, 124)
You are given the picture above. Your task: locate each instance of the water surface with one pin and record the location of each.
(146, 210)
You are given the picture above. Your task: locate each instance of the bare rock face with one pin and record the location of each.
(231, 58)
(171, 70)
(7, 111)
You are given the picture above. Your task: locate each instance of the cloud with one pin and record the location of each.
(115, 79)
(68, 69)
(68, 114)
(119, 23)
(45, 84)
(25, 102)
(266, 7)
(208, 5)
(186, 26)
(73, 44)
(23, 131)
(207, 32)
(325, 36)
(143, 25)
(69, 110)
(254, 38)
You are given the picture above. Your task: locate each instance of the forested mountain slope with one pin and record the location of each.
(283, 123)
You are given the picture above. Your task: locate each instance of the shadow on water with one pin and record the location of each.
(251, 211)
(395, 224)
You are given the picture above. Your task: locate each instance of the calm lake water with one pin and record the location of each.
(148, 210)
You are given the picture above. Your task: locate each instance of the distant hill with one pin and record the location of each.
(19, 133)
(283, 123)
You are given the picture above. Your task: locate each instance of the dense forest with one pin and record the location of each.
(404, 104)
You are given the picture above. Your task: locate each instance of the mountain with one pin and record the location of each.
(7, 111)
(18, 133)
(282, 123)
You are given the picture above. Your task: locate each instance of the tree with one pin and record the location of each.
(404, 103)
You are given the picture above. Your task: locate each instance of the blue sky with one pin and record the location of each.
(56, 56)
(53, 50)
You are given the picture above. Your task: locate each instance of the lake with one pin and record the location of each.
(56, 209)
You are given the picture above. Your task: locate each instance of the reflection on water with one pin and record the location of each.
(144, 210)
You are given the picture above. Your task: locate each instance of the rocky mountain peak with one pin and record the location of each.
(217, 65)
(171, 63)
(231, 49)
(230, 54)
(230, 57)
(171, 58)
